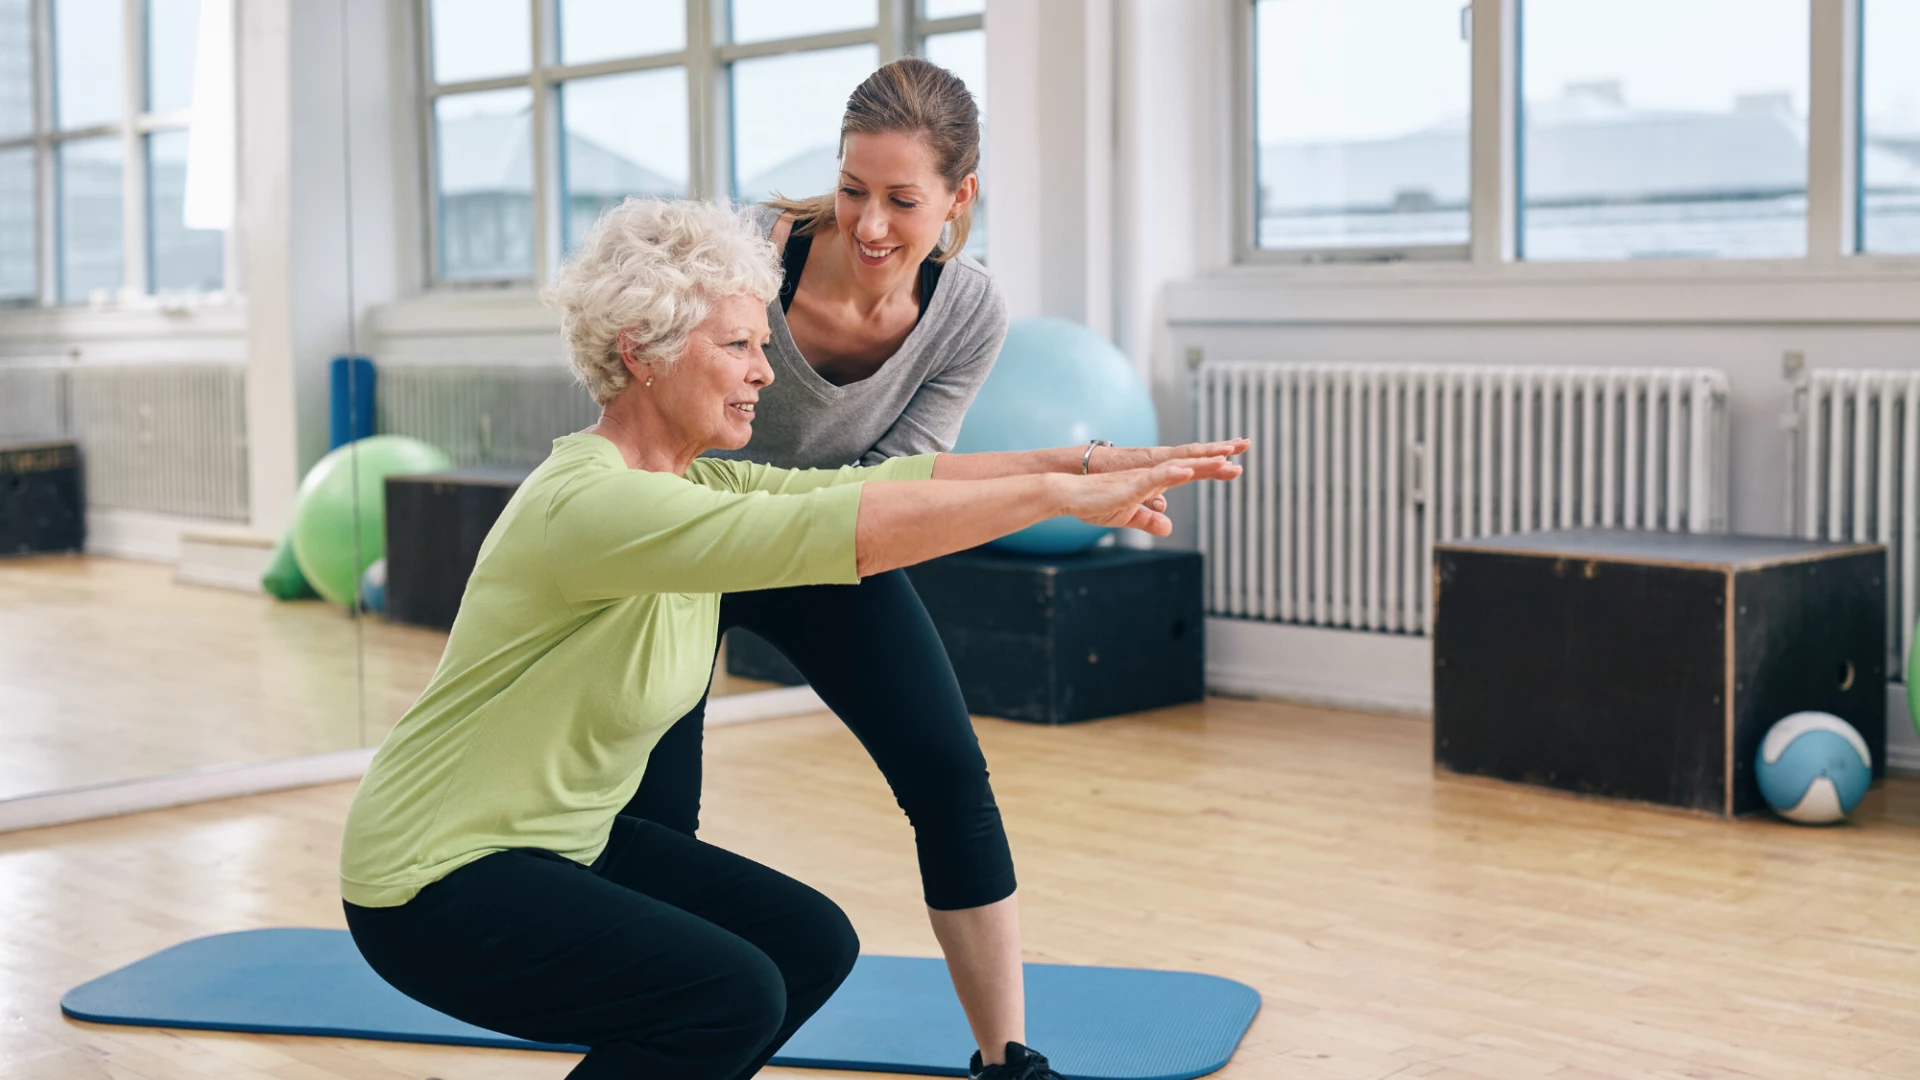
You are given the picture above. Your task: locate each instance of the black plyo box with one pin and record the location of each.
(42, 503)
(1053, 640)
(436, 523)
(1648, 666)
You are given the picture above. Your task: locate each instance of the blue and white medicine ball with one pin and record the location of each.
(373, 587)
(1813, 768)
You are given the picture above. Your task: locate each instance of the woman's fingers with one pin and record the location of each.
(1224, 448)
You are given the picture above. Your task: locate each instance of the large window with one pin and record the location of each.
(535, 133)
(1658, 129)
(1360, 113)
(1579, 130)
(93, 173)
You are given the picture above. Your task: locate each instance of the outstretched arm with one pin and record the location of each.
(1067, 459)
(904, 522)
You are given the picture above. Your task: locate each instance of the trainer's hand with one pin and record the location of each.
(1134, 499)
(1109, 459)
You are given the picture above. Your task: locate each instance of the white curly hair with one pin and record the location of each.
(650, 270)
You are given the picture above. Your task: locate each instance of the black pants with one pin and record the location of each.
(670, 959)
(872, 654)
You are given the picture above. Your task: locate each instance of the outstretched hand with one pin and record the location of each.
(1109, 459)
(1135, 498)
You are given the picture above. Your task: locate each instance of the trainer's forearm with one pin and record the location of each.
(903, 522)
(987, 466)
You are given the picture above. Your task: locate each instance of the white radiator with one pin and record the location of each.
(33, 402)
(1854, 474)
(165, 438)
(482, 415)
(1357, 469)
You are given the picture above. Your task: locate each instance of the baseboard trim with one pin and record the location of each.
(223, 560)
(1903, 743)
(1343, 668)
(137, 534)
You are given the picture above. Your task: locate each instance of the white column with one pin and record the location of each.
(298, 210)
(1049, 158)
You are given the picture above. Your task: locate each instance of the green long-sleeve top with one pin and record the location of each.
(587, 629)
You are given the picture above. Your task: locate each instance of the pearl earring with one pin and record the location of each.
(649, 381)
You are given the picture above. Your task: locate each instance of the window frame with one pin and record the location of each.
(899, 30)
(1835, 142)
(133, 127)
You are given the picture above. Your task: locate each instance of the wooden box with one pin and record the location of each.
(42, 506)
(436, 523)
(1053, 640)
(1646, 665)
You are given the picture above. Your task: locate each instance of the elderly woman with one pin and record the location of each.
(486, 869)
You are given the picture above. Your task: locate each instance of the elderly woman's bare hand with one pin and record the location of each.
(1134, 499)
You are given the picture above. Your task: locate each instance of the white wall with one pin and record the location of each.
(322, 198)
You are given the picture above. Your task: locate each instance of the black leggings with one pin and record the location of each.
(668, 958)
(872, 654)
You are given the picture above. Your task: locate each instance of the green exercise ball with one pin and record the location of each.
(323, 510)
(1913, 690)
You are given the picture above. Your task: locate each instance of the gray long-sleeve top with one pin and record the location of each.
(912, 405)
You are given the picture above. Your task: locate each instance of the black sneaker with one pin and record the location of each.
(1021, 1064)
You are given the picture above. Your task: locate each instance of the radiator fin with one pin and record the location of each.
(482, 415)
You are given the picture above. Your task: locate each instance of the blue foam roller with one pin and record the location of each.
(893, 1014)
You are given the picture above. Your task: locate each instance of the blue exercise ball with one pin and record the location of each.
(373, 587)
(1813, 768)
(1057, 383)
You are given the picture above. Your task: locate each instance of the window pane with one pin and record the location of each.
(480, 39)
(90, 254)
(173, 35)
(483, 157)
(947, 9)
(625, 135)
(1347, 157)
(593, 30)
(181, 259)
(16, 68)
(786, 120)
(86, 62)
(765, 20)
(1890, 127)
(1655, 129)
(965, 54)
(16, 224)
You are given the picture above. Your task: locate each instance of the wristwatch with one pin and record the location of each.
(1086, 459)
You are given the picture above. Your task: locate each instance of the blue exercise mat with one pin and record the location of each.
(893, 1014)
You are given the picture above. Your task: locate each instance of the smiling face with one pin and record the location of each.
(708, 395)
(892, 204)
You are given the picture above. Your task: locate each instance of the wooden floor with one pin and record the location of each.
(1398, 925)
